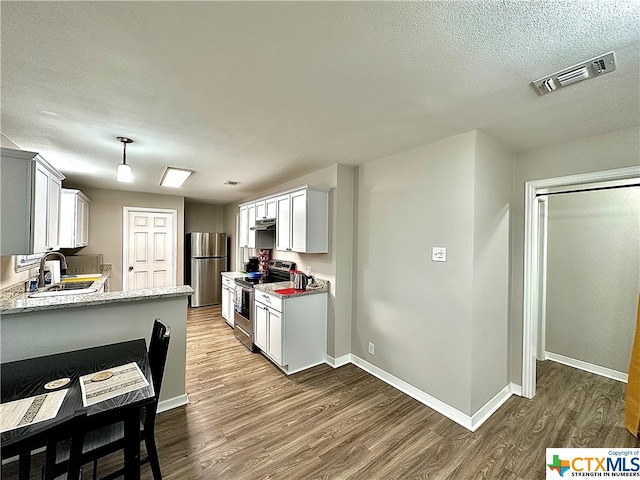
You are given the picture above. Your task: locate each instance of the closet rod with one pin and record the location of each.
(589, 189)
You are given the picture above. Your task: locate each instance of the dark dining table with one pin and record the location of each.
(27, 378)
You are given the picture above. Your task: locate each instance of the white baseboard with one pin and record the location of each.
(588, 367)
(516, 389)
(338, 362)
(171, 403)
(490, 407)
(468, 422)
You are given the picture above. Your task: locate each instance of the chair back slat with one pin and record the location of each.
(158, 349)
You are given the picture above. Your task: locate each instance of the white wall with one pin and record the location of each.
(591, 154)
(593, 276)
(418, 313)
(105, 225)
(203, 217)
(491, 237)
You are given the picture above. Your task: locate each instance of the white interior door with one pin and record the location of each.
(149, 248)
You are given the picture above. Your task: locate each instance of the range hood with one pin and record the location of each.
(265, 224)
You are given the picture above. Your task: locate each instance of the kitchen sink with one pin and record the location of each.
(69, 286)
(72, 288)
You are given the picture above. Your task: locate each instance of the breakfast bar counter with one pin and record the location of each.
(24, 304)
(32, 327)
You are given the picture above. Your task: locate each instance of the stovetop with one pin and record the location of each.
(268, 279)
(279, 271)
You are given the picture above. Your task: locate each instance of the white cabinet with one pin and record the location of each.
(74, 219)
(251, 219)
(291, 332)
(283, 222)
(244, 226)
(303, 220)
(247, 220)
(260, 322)
(30, 203)
(274, 341)
(266, 209)
(228, 289)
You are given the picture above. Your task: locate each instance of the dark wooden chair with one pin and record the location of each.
(103, 441)
(67, 429)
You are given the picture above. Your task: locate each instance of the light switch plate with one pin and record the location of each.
(439, 254)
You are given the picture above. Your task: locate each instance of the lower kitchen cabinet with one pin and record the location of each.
(291, 331)
(228, 289)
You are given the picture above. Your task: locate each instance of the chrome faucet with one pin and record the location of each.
(63, 265)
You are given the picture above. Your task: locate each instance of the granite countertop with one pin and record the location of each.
(21, 303)
(233, 275)
(271, 287)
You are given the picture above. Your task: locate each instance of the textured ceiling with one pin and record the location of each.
(261, 92)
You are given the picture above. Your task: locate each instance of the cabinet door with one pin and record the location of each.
(270, 207)
(299, 221)
(260, 326)
(53, 209)
(261, 210)
(251, 215)
(230, 306)
(82, 211)
(40, 210)
(283, 223)
(225, 303)
(275, 336)
(244, 226)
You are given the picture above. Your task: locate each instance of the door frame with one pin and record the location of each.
(533, 296)
(125, 239)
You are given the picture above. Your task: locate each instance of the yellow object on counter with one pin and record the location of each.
(84, 278)
(632, 407)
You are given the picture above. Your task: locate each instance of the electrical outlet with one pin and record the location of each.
(309, 270)
(371, 348)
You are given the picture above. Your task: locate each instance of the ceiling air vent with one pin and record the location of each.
(591, 68)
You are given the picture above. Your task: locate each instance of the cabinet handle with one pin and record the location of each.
(266, 298)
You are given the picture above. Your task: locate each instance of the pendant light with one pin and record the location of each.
(124, 173)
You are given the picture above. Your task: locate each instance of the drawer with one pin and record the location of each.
(268, 300)
(228, 282)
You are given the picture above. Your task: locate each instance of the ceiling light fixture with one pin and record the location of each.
(174, 177)
(124, 173)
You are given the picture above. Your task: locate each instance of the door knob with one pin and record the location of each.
(130, 268)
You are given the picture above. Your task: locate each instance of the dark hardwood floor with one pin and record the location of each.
(247, 420)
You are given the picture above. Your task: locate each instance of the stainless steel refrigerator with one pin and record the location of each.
(205, 258)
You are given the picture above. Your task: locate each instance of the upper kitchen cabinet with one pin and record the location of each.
(248, 215)
(266, 209)
(74, 219)
(302, 220)
(30, 193)
(247, 220)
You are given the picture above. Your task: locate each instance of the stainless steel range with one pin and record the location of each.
(279, 271)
